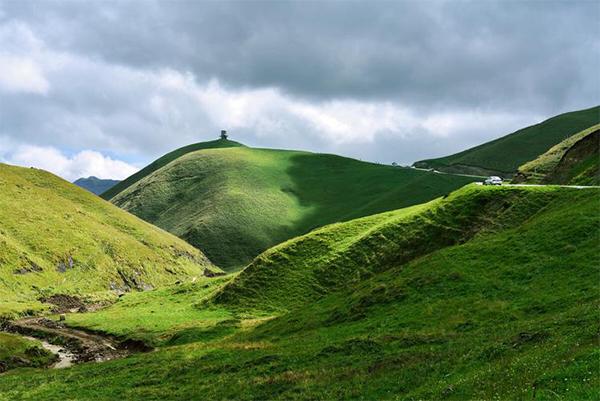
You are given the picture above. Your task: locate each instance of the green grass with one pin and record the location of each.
(16, 351)
(343, 254)
(507, 312)
(56, 238)
(163, 161)
(503, 156)
(164, 316)
(536, 171)
(235, 203)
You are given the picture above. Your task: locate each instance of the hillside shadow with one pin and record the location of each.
(336, 189)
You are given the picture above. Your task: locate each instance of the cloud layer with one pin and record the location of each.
(383, 82)
(83, 164)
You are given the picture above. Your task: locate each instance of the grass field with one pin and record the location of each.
(56, 238)
(503, 156)
(235, 203)
(505, 307)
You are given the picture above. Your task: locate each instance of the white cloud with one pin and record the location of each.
(19, 74)
(83, 164)
(21, 54)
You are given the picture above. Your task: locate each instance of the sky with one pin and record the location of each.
(104, 87)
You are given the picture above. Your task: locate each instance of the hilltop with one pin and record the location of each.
(576, 161)
(95, 185)
(57, 239)
(164, 160)
(431, 302)
(236, 202)
(504, 155)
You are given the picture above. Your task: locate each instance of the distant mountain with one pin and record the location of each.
(96, 185)
(235, 202)
(504, 155)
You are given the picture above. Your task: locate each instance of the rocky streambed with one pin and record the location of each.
(72, 345)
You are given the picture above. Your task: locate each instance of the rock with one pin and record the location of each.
(61, 267)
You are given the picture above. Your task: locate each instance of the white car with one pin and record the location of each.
(493, 180)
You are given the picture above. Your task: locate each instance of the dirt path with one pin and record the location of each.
(74, 345)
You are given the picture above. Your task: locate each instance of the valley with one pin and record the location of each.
(483, 279)
(304, 276)
(266, 200)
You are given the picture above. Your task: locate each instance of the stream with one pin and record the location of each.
(76, 345)
(65, 357)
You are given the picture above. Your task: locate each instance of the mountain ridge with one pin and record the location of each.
(95, 185)
(503, 156)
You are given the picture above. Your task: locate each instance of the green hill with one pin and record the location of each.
(573, 161)
(339, 255)
(503, 156)
(163, 161)
(489, 293)
(56, 238)
(235, 203)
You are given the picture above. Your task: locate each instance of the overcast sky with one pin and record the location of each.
(102, 88)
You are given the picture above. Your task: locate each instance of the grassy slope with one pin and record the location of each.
(48, 224)
(509, 314)
(163, 161)
(16, 351)
(537, 170)
(503, 156)
(336, 256)
(235, 203)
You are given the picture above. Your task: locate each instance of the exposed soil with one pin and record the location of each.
(75, 345)
(69, 303)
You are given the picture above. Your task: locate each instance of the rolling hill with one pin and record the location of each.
(164, 160)
(432, 302)
(503, 156)
(340, 255)
(95, 185)
(234, 203)
(576, 161)
(56, 238)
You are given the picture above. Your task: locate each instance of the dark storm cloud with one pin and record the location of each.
(375, 80)
(422, 53)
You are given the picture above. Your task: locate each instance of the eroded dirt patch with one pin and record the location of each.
(63, 303)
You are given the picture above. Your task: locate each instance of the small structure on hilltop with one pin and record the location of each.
(224, 135)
